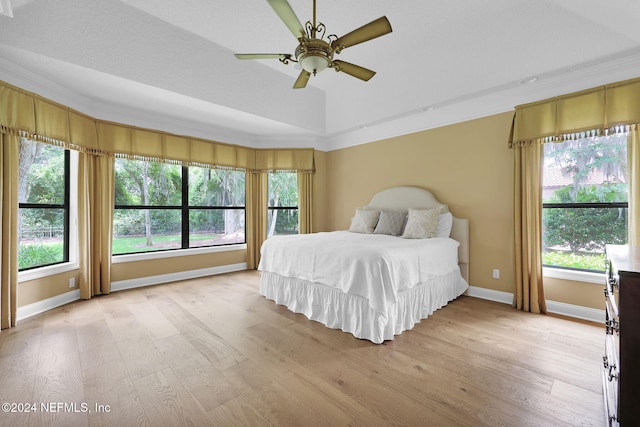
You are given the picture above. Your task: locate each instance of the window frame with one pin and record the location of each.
(66, 207)
(184, 209)
(571, 273)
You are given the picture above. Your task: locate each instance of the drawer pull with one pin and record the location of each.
(612, 326)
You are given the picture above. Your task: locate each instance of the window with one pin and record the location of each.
(160, 206)
(585, 199)
(43, 197)
(283, 203)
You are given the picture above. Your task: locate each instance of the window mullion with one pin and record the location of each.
(67, 187)
(185, 207)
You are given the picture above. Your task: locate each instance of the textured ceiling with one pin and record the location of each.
(169, 64)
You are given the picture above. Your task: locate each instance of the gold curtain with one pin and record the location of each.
(9, 248)
(95, 219)
(257, 211)
(633, 155)
(606, 109)
(300, 160)
(529, 292)
(27, 114)
(305, 203)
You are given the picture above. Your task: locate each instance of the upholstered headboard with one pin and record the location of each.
(406, 197)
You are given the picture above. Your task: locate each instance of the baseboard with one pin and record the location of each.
(576, 311)
(46, 304)
(555, 307)
(173, 277)
(490, 294)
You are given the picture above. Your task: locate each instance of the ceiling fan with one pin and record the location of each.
(314, 53)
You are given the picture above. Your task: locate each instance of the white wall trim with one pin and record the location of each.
(576, 311)
(46, 304)
(575, 275)
(490, 294)
(173, 277)
(555, 307)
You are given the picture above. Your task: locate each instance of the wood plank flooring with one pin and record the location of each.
(212, 351)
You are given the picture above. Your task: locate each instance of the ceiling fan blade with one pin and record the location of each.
(353, 70)
(301, 81)
(373, 29)
(288, 16)
(263, 56)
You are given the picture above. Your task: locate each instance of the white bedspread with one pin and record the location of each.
(374, 266)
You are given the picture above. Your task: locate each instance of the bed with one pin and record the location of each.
(380, 277)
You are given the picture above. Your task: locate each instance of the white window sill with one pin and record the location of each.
(578, 276)
(39, 273)
(118, 259)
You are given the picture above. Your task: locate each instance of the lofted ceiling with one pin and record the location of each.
(169, 65)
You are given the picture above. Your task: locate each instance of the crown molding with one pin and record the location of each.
(496, 100)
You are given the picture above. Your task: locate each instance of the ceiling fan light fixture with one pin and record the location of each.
(314, 64)
(314, 55)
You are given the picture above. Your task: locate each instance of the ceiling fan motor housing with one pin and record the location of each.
(314, 55)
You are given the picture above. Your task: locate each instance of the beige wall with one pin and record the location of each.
(47, 287)
(466, 165)
(156, 267)
(321, 192)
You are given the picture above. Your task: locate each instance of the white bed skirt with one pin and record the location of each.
(351, 313)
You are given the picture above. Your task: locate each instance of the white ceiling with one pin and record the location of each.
(169, 65)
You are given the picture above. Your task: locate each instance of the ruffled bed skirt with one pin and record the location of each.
(351, 313)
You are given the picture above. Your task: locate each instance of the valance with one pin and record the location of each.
(606, 109)
(27, 114)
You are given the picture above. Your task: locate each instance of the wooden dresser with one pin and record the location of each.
(621, 370)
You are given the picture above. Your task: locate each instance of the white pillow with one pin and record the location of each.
(421, 223)
(391, 222)
(364, 221)
(445, 222)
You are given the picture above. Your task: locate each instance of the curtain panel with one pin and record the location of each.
(633, 155)
(529, 290)
(9, 234)
(305, 203)
(257, 200)
(612, 108)
(27, 114)
(96, 179)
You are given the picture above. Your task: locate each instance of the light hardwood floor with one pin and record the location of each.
(212, 351)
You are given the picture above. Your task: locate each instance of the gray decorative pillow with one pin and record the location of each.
(364, 221)
(421, 223)
(391, 223)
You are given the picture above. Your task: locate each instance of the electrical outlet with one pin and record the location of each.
(496, 273)
(72, 282)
